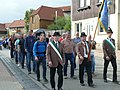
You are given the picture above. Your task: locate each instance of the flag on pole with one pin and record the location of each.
(103, 16)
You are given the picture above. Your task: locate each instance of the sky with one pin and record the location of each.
(11, 10)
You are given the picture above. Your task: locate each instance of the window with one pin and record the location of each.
(77, 27)
(88, 2)
(99, 1)
(84, 3)
(33, 19)
(101, 31)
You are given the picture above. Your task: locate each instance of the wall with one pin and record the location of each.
(44, 23)
(34, 22)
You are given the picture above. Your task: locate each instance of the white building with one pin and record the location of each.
(84, 19)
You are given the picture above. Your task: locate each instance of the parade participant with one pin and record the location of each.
(76, 40)
(63, 37)
(55, 59)
(48, 36)
(17, 59)
(92, 55)
(29, 42)
(11, 45)
(83, 51)
(109, 56)
(21, 50)
(69, 51)
(39, 52)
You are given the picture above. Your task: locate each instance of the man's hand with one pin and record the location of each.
(81, 58)
(36, 58)
(107, 58)
(25, 50)
(50, 63)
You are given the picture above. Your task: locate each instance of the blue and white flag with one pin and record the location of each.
(103, 16)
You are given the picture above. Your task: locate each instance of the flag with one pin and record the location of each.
(103, 16)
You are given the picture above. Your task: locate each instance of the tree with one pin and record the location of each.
(68, 24)
(27, 19)
(60, 23)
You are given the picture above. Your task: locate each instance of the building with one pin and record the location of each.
(3, 30)
(7, 26)
(44, 16)
(66, 10)
(17, 26)
(85, 17)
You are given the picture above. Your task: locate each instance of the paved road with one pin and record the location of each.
(70, 84)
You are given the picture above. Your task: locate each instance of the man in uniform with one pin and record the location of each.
(55, 59)
(83, 51)
(109, 56)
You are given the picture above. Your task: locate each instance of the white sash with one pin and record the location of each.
(56, 50)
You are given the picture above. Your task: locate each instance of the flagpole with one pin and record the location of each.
(92, 42)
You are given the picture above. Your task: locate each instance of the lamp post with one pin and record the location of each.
(56, 15)
(109, 3)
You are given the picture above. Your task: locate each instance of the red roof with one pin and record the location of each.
(48, 13)
(65, 8)
(7, 25)
(18, 23)
(2, 27)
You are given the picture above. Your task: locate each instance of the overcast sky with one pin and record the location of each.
(14, 9)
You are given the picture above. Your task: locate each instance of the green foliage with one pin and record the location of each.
(27, 19)
(61, 23)
(68, 24)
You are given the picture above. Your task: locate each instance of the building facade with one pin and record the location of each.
(3, 30)
(85, 18)
(17, 26)
(44, 16)
(66, 11)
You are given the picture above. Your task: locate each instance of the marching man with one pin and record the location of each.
(55, 60)
(109, 56)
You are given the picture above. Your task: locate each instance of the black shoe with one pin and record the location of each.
(45, 80)
(91, 85)
(38, 80)
(60, 89)
(82, 84)
(105, 80)
(29, 73)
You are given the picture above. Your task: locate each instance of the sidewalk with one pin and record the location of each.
(7, 80)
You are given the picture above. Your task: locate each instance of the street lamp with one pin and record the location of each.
(56, 16)
(109, 3)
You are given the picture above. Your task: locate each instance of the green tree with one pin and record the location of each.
(60, 23)
(68, 24)
(27, 19)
